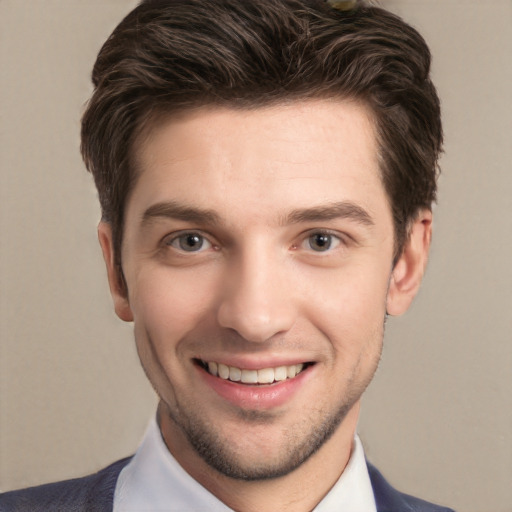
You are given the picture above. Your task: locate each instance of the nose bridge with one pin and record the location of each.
(256, 301)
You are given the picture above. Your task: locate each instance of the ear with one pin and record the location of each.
(409, 269)
(115, 278)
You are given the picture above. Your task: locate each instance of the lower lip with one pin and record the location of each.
(262, 397)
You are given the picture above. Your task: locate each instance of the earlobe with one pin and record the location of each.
(115, 277)
(408, 272)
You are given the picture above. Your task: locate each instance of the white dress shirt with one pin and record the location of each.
(153, 481)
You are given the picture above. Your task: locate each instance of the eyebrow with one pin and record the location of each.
(343, 209)
(177, 211)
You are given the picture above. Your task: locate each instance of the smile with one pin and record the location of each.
(262, 376)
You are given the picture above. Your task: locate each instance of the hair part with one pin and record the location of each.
(168, 56)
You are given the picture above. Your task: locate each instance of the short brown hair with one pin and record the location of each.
(170, 55)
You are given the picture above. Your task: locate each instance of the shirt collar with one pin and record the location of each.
(155, 481)
(353, 490)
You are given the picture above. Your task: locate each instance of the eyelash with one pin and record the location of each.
(175, 238)
(334, 240)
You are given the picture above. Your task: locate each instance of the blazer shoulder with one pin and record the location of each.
(389, 499)
(92, 492)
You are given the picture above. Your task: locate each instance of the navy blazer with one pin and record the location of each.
(95, 493)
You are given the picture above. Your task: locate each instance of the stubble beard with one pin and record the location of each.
(300, 442)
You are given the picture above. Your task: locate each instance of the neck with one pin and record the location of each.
(299, 491)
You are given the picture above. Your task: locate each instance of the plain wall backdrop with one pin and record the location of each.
(437, 420)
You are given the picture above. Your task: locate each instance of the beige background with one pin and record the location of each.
(438, 418)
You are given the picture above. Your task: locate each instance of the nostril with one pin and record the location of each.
(255, 326)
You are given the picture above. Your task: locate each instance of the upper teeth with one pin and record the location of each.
(263, 376)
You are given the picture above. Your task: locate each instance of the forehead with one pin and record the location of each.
(310, 151)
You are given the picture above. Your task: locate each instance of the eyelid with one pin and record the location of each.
(340, 237)
(168, 240)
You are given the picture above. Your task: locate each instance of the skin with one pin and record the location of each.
(291, 262)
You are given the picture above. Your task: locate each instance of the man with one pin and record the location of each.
(266, 172)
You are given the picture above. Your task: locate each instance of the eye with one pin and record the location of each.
(322, 241)
(189, 242)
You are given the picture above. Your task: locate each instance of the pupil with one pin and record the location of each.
(191, 242)
(321, 241)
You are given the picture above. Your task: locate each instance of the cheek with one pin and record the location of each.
(167, 305)
(350, 308)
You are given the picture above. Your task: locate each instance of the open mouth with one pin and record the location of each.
(253, 377)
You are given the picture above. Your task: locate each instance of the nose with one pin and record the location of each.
(257, 302)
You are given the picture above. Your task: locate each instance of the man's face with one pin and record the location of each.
(257, 255)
